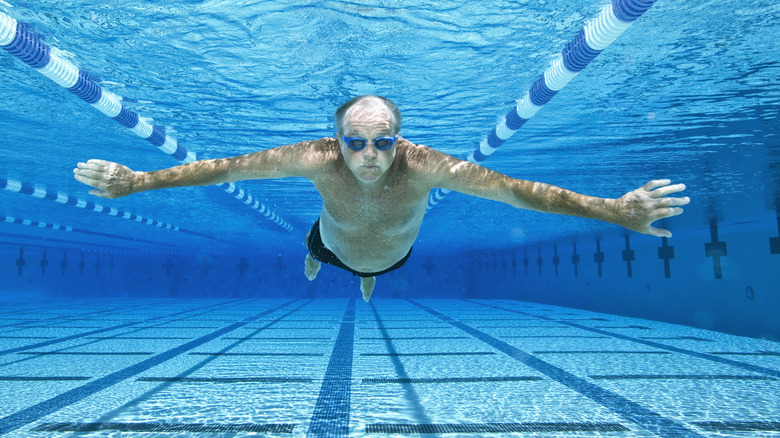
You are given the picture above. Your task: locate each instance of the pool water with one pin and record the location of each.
(186, 312)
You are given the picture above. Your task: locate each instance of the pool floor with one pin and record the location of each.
(390, 368)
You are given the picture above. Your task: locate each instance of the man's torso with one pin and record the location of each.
(371, 229)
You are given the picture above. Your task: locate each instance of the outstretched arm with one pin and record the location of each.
(113, 180)
(635, 210)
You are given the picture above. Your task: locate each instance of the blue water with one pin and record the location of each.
(679, 337)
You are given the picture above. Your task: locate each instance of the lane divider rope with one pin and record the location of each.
(19, 40)
(591, 40)
(36, 191)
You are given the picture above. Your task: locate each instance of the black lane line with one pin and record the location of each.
(166, 382)
(622, 406)
(331, 412)
(160, 427)
(706, 356)
(456, 380)
(103, 330)
(225, 379)
(494, 428)
(54, 404)
(21, 325)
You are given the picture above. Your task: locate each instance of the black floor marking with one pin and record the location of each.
(295, 328)
(70, 397)
(622, 406)
(706, 356)
(103, 330)
(86, 353)
(225, 379)
(390, 338)
(145, 338)
(162, 327)
(167, 427)
(677, 338)
(62, 327)
(677, 377)
(548, 326)
(757, 353)
(486, 353)
(495, 428)
(599, 352)
(41, 378)
(281, 338)
(456, 380)
(406, 328)
(331, 412)
(738, 426)
(260, 354)
(554, 336)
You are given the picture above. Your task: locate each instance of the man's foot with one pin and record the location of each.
(367, 287)
(311, 267)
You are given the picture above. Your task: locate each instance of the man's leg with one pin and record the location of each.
(311, 267)
(367, 287)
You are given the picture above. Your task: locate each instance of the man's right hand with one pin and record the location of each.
(112, 180)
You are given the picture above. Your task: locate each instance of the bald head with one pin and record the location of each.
(368, 108)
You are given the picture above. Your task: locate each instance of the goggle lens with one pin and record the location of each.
(358, 143)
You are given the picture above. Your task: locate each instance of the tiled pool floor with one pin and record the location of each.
(391, 368)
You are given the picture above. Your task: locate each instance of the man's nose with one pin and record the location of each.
(370, 151)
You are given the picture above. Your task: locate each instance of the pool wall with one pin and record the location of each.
(720, 277)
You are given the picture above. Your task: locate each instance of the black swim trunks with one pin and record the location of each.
(318, 250)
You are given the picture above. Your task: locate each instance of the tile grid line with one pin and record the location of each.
(710, 357)
(33, 413)
(331, 411)
(182, 377)
(20, 325)
(102, 330)
(618, 404)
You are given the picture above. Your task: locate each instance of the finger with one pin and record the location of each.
(99, 162)
(654, 184)
(83, 179)
(91, 166)
(98, 184)
(673, 202)
(92, 174)
(99, 193)
(668, 190)
(663, 213)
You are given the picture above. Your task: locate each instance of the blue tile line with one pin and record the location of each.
(106, 417)
(710, 357)
(54, 404)
(331, 412)
(94, 332)
(67, 318)
(622, 406)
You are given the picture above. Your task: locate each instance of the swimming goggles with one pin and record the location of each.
(358, 143)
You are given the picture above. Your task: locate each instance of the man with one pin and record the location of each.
(374, 186)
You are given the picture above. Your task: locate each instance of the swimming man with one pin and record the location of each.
(374, 186)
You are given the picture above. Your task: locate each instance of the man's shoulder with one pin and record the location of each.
(321, 151)
(422, 158)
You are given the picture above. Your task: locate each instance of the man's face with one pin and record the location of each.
(368, 164)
